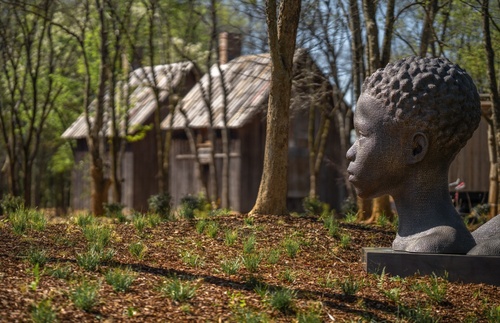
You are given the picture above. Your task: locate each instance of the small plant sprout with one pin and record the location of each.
(436, 290)
(349, 286)
(43, 312)
(120, 279)
(37, 257)
(192, 259)
(251, 261)
(137, 250)
(37, 274)
(230, 237)
(86, 295)
(273, 256)
(83, 220)
(230, 266)
(61, 272)
(212, 229)
(249, 221)
(90, 260)
(292, 247)
(249, 244)
(289, 275)
(23, 219)
(177, 290)
(98, 236)
(282, 300)
(345, 240)
(140, 223)
(382, 220)
(350, 217)
(201, 225)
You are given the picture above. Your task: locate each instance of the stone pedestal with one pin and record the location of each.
(462, 268)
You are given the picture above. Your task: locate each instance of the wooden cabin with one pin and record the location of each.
(139, 166)
(471, 166)
(247, 83)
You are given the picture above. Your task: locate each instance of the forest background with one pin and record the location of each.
(58, 56)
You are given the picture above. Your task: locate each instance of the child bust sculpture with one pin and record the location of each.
(411, 120)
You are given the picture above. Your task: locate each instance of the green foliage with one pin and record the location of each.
(249, 221)
(332, 225)
(350, 217)
(161, 204)
(201, 225)
(249, 244)
(61, 272)
(120, 279)
(251, 261)
(23, 219)
(230, 266)
(493, 314)
(382, 220)
(83, 220)
(89, 260)
(273, 256)
(98, 236)
(140, 223)
(349, 286)
(86, 295)
(289, 275)
(37, 274)
(282, 300)
(10, 203)
(189, 204)
(212, 229)
(230, 237)
(436, 288)
(43, 312)
(417, 314)
(177, 290)
(292, 247)
(345, 240)
(349, 206)
(137, 249)
(115, 210)
(313, 206)
(192, 259)
(37, 257)
(311, 315)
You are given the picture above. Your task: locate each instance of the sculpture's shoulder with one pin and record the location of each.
(487, 238)
(440, 239)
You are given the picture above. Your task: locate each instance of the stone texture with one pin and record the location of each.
(461, 268)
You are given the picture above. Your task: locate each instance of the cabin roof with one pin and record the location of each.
(247, 79)
(142, 99)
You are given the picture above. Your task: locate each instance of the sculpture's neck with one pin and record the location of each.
(424, 205)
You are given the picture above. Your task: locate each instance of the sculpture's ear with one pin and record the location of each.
(418, 149)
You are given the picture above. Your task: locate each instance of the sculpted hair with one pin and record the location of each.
(431, 95)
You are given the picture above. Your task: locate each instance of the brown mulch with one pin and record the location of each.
(315, 274)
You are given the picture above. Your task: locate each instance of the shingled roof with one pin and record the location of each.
(142, 100)
(247, 81)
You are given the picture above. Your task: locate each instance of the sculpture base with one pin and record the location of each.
(461, 268)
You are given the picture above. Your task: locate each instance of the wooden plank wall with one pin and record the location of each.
(472, 163)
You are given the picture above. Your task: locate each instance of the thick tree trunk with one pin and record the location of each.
(495, 96)
(282, 31)
(369, 10)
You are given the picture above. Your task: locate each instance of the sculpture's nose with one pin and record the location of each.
(351, 153)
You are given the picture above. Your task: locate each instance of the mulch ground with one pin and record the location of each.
(317, 275)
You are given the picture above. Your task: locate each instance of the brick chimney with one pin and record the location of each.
(229, 46)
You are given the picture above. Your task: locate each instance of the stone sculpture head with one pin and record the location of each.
(412, 119)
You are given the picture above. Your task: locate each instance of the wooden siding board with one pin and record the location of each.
(471, 164)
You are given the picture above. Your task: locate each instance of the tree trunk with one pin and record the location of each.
(427, 31)
(369, 10)
(358, 74)
(282, 31)
(495, 96)
(97, 164)
(493, 187)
